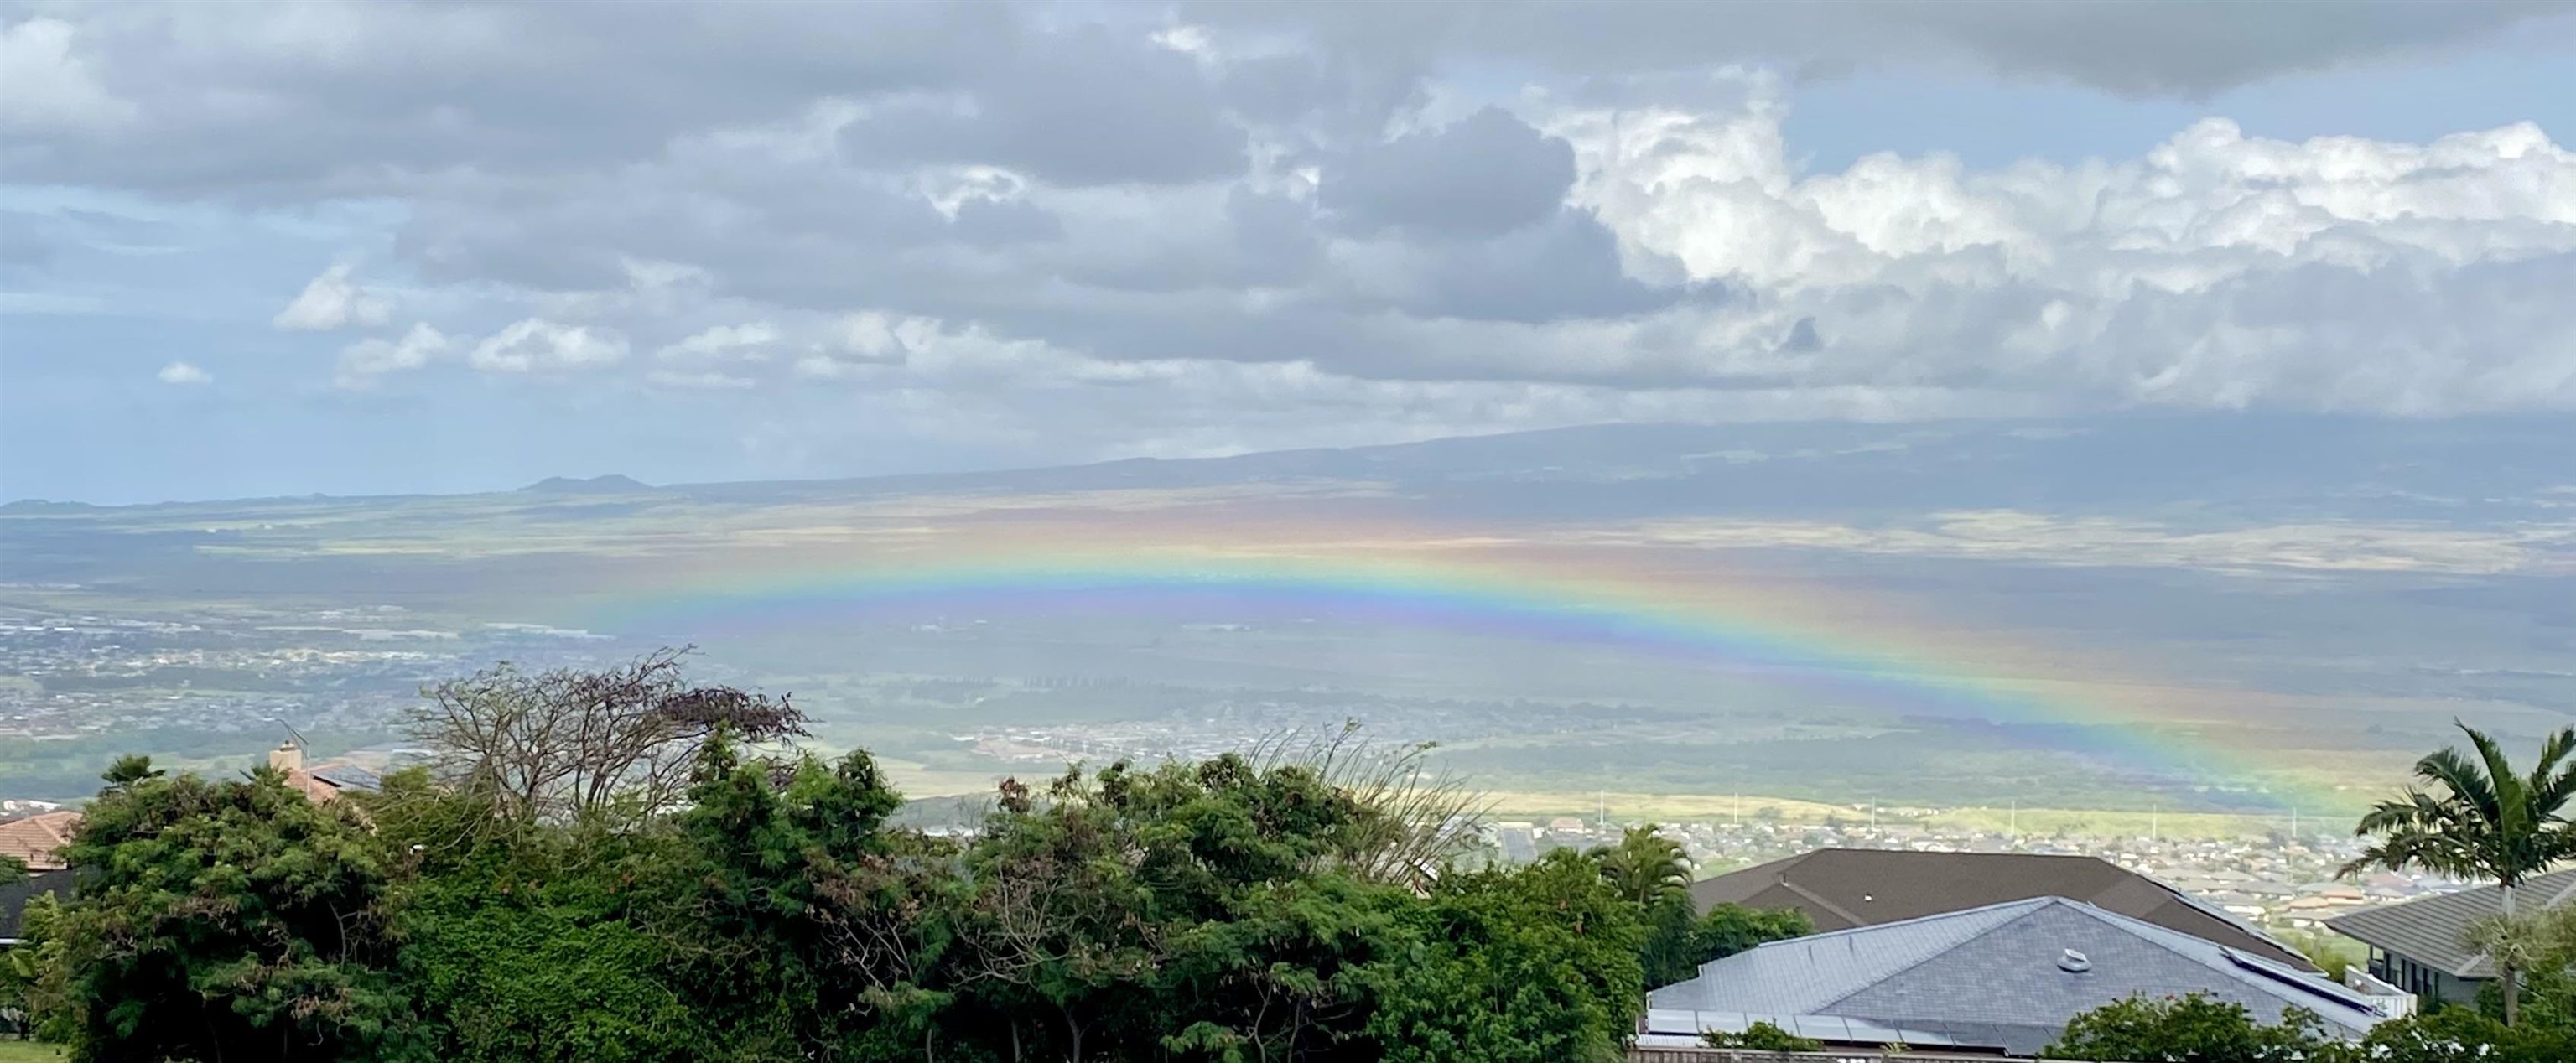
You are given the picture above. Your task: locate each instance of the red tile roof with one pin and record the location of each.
(33, 840)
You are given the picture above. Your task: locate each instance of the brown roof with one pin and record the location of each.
(33, 840)
(1844, 888)
(314, 787)
(2429, 930)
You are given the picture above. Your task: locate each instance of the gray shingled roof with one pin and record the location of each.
(347, 776)
(1991, 976)
(1843, 888)
(2427, 930)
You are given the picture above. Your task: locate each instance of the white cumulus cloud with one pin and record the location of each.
(699, 381)
(183, 374)
(333, 301)
(364, 362)
(538, 345)
(872, 335)
(2215, 271)
(746, 342)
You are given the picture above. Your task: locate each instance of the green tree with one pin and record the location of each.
(31, 979)
(2192, 1029)
(1653, 872)
(225, 920)
(1233, 910)
(1670, 952)
(1645, 867)
(1678, 943)
(1203, 903)
(2543, 946)
(507, 905)
(1761, 1037)
(2463, 1035)
(2331, 952)
(532, 943)
(20, 968)
(805, 916)
(1727, 929)
(544, 974)
(1531, 965)
(2479, 819)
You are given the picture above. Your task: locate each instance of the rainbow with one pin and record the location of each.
(1778, 630)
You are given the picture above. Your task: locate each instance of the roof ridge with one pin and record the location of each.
(1916, 921)
(1903, 851)
(2132, 925)
(1818, 898)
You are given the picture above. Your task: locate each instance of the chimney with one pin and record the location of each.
(286, 757)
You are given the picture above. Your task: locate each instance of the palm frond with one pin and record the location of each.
(2516, 829)
(2477, 818)
(2436, 851)
(2553, 782)
(2466, 779)
(2554, 749)
(2415, 809)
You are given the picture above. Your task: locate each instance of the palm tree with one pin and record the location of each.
(2480, 820)
(1644, 867)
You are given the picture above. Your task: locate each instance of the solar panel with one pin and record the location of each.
(2301, 981)
(1820, 1027)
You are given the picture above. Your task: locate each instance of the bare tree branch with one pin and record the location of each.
(568, 743)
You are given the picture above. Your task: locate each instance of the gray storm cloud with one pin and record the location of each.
(1282, 225)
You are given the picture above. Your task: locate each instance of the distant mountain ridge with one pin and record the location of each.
(2277, 466)
(2271, 466)
(611, 484)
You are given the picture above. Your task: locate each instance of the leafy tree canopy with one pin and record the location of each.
(2195, 1028)
(724, 897)
(233, 920)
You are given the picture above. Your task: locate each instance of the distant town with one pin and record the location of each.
(349, 671)
(66, 676)
(2274, 882)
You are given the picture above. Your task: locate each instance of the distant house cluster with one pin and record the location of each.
(1985, 953)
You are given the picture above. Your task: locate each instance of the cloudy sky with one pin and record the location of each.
(253, 248)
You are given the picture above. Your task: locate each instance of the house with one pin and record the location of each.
(1840, 889)
(32, 840)
(321, 782)
(2415, 945)
(2003, 978)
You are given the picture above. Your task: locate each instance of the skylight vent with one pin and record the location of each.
(2073, 962)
